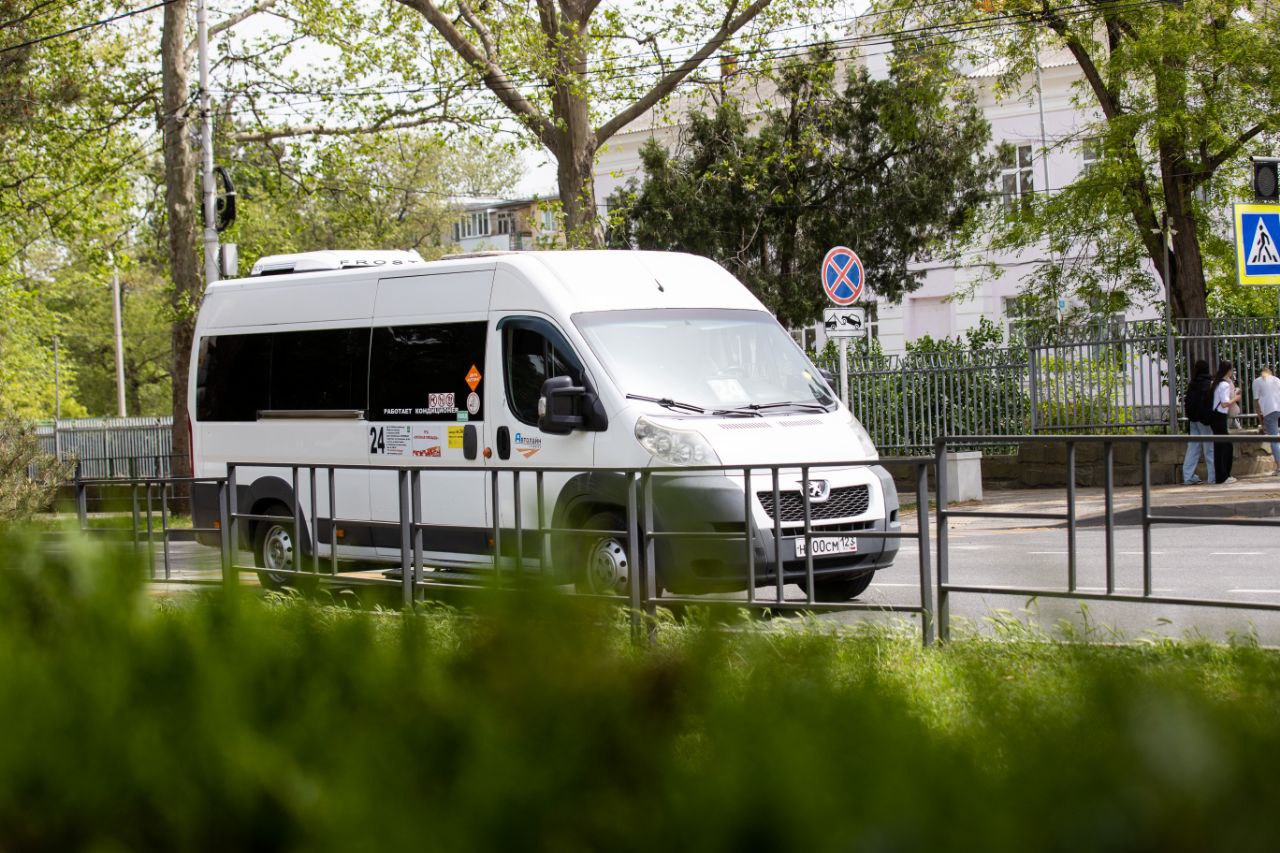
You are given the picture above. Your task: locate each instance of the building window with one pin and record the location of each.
(1015, 174)
(504, 224)
(1090, 151)
(1017, 318)
(548, 220)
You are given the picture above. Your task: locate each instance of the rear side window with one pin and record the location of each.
(232, 377)
(240, 375)
(320, 370)
(427, 373)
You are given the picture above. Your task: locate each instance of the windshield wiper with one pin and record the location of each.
(668, 403)
(757, 408)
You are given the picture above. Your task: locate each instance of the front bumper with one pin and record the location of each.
(715, 505)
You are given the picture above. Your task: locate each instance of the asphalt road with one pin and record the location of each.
(1239, 564)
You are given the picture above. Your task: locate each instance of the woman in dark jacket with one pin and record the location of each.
(1196, 406)
(1225, 396)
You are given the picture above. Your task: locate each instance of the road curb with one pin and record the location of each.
(1232, 509)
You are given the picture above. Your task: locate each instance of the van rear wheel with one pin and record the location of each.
(275, 551)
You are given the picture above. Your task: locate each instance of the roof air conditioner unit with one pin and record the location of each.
(332, 260)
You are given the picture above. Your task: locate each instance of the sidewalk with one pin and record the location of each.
(1251, 497)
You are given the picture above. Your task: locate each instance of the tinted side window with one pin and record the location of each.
(240, 375)
(325, 369)
(424, 373)
(531, 359)
(231, 378)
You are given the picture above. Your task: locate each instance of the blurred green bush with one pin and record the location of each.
(531, 723)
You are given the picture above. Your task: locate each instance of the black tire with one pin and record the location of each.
(844, 588)
(602, 565)
(274, 546)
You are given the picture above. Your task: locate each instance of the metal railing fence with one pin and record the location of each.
(1069, 515)
(641, 533)
(150, 516)
(112, 447)
(1105, 378)
(906, 401)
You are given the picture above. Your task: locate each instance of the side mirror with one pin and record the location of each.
(561, 405)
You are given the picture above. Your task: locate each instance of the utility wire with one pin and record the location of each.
(973, 29)
(99, 23)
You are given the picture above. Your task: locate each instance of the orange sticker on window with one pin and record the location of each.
(473, 378)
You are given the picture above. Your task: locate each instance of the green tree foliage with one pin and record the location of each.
(67, 157)
(29, 479)
(572, 73)
(1181, 93)
(892, 167)
(395, 190)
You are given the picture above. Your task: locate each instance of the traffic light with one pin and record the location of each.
(1265, 185)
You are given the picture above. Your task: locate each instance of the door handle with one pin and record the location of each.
(504, 443)
(470, 443)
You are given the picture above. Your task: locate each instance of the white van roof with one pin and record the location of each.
(329, 286)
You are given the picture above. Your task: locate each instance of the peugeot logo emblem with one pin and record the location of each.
(819, 490)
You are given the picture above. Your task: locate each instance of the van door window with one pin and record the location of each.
(531, 359)
(427, 373)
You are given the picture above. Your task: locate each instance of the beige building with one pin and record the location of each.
(507, 225)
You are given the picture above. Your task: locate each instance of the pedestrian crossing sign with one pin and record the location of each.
(1257, 249)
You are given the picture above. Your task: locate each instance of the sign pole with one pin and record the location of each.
(842, 279)
(844, 371)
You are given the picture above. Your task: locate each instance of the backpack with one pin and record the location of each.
(1198, 401)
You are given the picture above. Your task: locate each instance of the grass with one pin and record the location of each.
(531, 723)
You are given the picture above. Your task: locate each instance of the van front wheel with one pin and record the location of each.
(604, 565)
(841, 589)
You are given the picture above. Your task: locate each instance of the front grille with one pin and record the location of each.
(845, 502)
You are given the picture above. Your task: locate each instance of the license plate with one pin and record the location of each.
(826, 546)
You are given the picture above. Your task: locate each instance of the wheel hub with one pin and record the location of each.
(609, 568)
(277, 550)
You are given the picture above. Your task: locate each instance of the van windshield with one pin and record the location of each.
(717, 359)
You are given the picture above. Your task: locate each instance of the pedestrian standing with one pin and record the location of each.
(1266, 403)
(1197, 405)
(1225, 396)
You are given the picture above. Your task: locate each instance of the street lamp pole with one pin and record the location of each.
(1166, 237)
(206, 145)
(119, 336)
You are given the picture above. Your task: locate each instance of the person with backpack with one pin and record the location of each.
(1225, 396)
(1196, 404)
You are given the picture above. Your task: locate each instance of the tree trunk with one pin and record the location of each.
(180, 201)
(1187, 264)
(574, 143)
(575, 160)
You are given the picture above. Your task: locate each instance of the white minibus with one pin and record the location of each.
(590, 360)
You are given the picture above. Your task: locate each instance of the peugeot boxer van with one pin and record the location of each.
(586, 360)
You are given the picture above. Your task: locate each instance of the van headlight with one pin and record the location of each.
(863, 437)
(675, 446)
